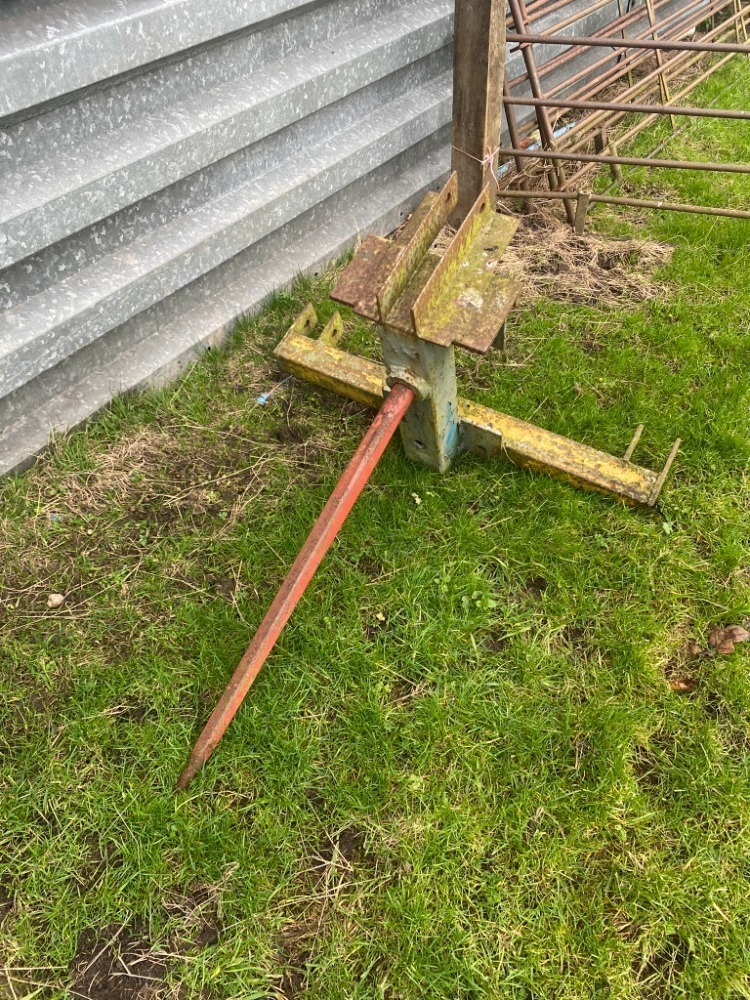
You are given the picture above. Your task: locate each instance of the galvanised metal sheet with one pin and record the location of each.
(165, 164)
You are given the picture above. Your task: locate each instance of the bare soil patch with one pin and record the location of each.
(124, 963)
(115, 964)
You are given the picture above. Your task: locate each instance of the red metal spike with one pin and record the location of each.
(318, 542)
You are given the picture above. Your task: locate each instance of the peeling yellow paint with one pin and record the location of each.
(484, 431)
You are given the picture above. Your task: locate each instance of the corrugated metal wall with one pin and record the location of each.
(214, 151)
(165, 164)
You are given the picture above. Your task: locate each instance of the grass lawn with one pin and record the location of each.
(463, 773)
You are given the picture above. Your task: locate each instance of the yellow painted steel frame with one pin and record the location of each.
(483, 431)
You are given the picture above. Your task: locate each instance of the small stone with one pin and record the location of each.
(55, 600)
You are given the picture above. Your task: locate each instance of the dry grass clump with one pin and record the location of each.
(550, 260)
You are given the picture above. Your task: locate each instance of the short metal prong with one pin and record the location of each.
(631, 447)
(664, 473)
(333, 331)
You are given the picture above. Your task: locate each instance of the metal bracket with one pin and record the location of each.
(458, 298)
(482, 431)
(424, 305)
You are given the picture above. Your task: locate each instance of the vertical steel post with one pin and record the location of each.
(582, 208)
(515, 141)
(478, 67)
(663, 85)
(621, 12)
(429, 431)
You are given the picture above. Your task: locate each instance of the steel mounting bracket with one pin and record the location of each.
(424, 305)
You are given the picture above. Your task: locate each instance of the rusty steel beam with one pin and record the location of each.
(463, 301)
(606, 199)
(665, 45)
(318, 543)
(631, 161)
(426, 296)
(478, 69)
(656, 109)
